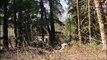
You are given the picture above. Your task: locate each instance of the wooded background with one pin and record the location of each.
(30, 23)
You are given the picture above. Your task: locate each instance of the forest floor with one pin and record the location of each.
(69, 53)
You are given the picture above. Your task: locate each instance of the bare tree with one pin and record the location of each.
(102, 21)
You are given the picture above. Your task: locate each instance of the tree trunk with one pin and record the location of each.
(5, 25)
(42, 10)
(52, 33)
(101, 20)
(89, 18)
(20, 29)
(78, 18)
(15, 23)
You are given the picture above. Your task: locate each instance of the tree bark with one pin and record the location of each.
(52, 33)
(78, 18)
(89, 18)
(101, 20)
(20, 29)
(42, 10)
(15, 23)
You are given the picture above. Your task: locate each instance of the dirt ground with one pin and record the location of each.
(69, 53)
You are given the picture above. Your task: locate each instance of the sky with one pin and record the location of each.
(65, 6)
(64, 15)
